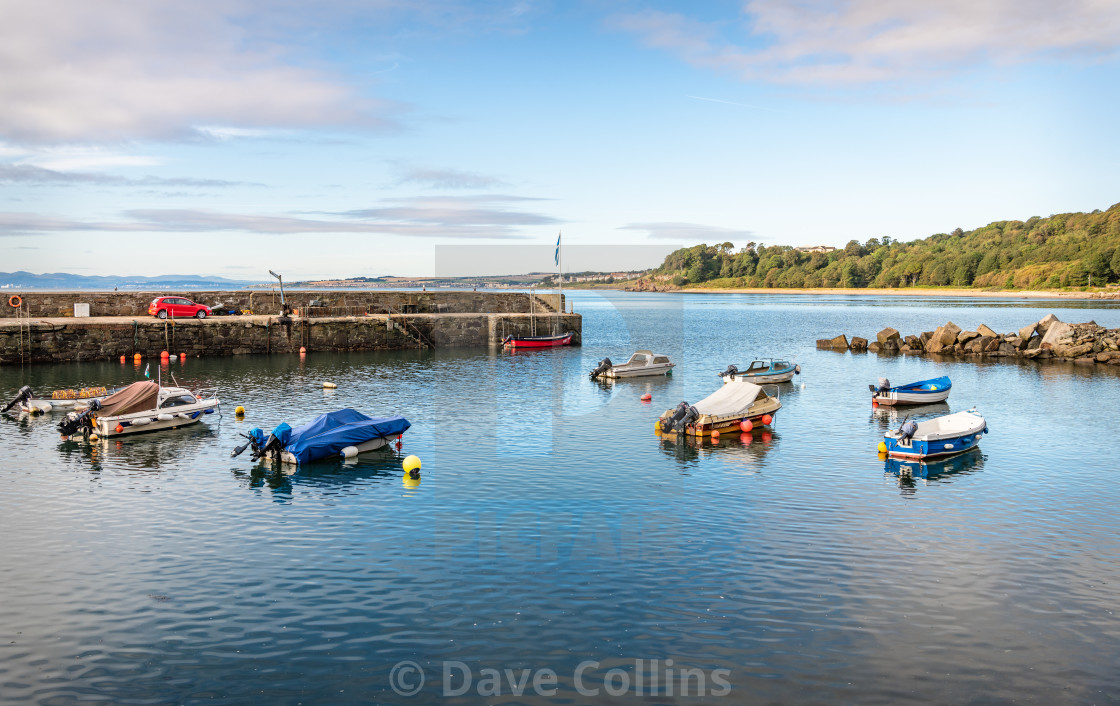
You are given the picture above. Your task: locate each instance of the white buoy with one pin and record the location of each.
(329, 386)
(349, 452)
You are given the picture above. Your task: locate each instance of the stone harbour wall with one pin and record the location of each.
(1046, 339)
(107, 339)
(315, 303)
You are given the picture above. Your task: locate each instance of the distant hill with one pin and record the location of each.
(65, 280)
(1063, 250)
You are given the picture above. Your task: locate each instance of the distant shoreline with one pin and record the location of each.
(912, 292)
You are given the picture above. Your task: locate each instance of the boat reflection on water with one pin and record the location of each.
(890, 417)
(746, 448)
(147, 454)
(333, 476)
(909, 472)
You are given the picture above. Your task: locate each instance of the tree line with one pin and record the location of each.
(1064, 250)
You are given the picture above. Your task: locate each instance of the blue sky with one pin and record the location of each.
(349, 137)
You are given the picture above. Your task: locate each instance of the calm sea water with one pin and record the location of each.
(552, 530)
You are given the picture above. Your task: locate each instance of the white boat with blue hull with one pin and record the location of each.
(940, 436)
(763, 371)
(921, 392)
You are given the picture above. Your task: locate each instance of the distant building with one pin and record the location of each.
(817, 248)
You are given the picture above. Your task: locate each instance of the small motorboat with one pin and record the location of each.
(737, 401)
(345, 433)
(940, 436)
(564, 339)
(763, 371)
(641, 364)
(921, 392)
(140, 407)
(59, 400)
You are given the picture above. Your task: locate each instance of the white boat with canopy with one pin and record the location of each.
(734, 402)
(643, 363)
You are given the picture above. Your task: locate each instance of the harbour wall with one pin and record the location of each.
(58, 340)
(314, 303)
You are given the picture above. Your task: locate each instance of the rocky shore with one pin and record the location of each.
(1049, 338)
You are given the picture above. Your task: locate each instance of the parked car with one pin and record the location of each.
(178, 307)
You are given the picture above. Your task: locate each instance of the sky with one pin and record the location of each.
(389, 137)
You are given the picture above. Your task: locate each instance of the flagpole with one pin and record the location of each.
(560, 270)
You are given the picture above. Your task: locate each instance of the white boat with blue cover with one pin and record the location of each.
(921, 392)
(940, 436)
(763, 371)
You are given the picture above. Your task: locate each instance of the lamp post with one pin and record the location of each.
(283, 305)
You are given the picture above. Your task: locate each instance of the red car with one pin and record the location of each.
(177, 306)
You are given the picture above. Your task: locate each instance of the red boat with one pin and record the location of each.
(564, 339)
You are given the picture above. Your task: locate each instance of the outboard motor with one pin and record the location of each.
(73, 422)
(684, 415)
(604, 365)
(731, 372)
(907, 430)
(884, 386)
(23, 395)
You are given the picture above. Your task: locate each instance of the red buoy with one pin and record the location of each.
(122, 358)
(766, 419)
(119, 429)
(715, 435)
(164, 355)
(647, 397)
(746, 425)
(302, 350)
(874, 404)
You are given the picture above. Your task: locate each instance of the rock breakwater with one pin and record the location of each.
(1048, 338)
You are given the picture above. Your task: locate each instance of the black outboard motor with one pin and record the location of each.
(684, 415)
(73, 422)
(23, 395)
(731, 372)
(604, 365)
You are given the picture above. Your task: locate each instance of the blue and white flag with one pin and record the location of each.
(558, 249)
(147, 370)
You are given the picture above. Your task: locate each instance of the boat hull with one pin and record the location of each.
(539, 341)
(371, 445)
(155, 420)
(894, 397)
(933, 448)
(764, 378)
(637, 372)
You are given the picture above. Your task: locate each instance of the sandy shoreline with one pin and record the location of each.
(917, 293)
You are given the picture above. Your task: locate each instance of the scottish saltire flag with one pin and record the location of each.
(558, 249)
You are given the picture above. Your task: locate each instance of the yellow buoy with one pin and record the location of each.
(882, 447)
(329, 386)
(411, 463)
(657, 427)
(94, 437)
(240, 411)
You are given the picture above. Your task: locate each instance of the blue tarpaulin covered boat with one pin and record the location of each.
(343, 433)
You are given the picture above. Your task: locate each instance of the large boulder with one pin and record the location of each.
(887, 334)
(944, 337)
(1026, 332)
(1056, 332)
(914, 343)
(966, 336)
(983, 330)
(1043, 326)
(839, 343)
(858, 344)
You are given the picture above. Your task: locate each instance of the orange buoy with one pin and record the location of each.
(746, 439)
(746, 425)
(182, 356)
(119, 429)
(136, 357)
(164, 354)
(122, 358)
(874, 404)
(302, 350)
(715, 435)
(647, 397)
(767, 419)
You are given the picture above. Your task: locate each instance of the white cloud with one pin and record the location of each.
(864, 41)
(76, 71)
